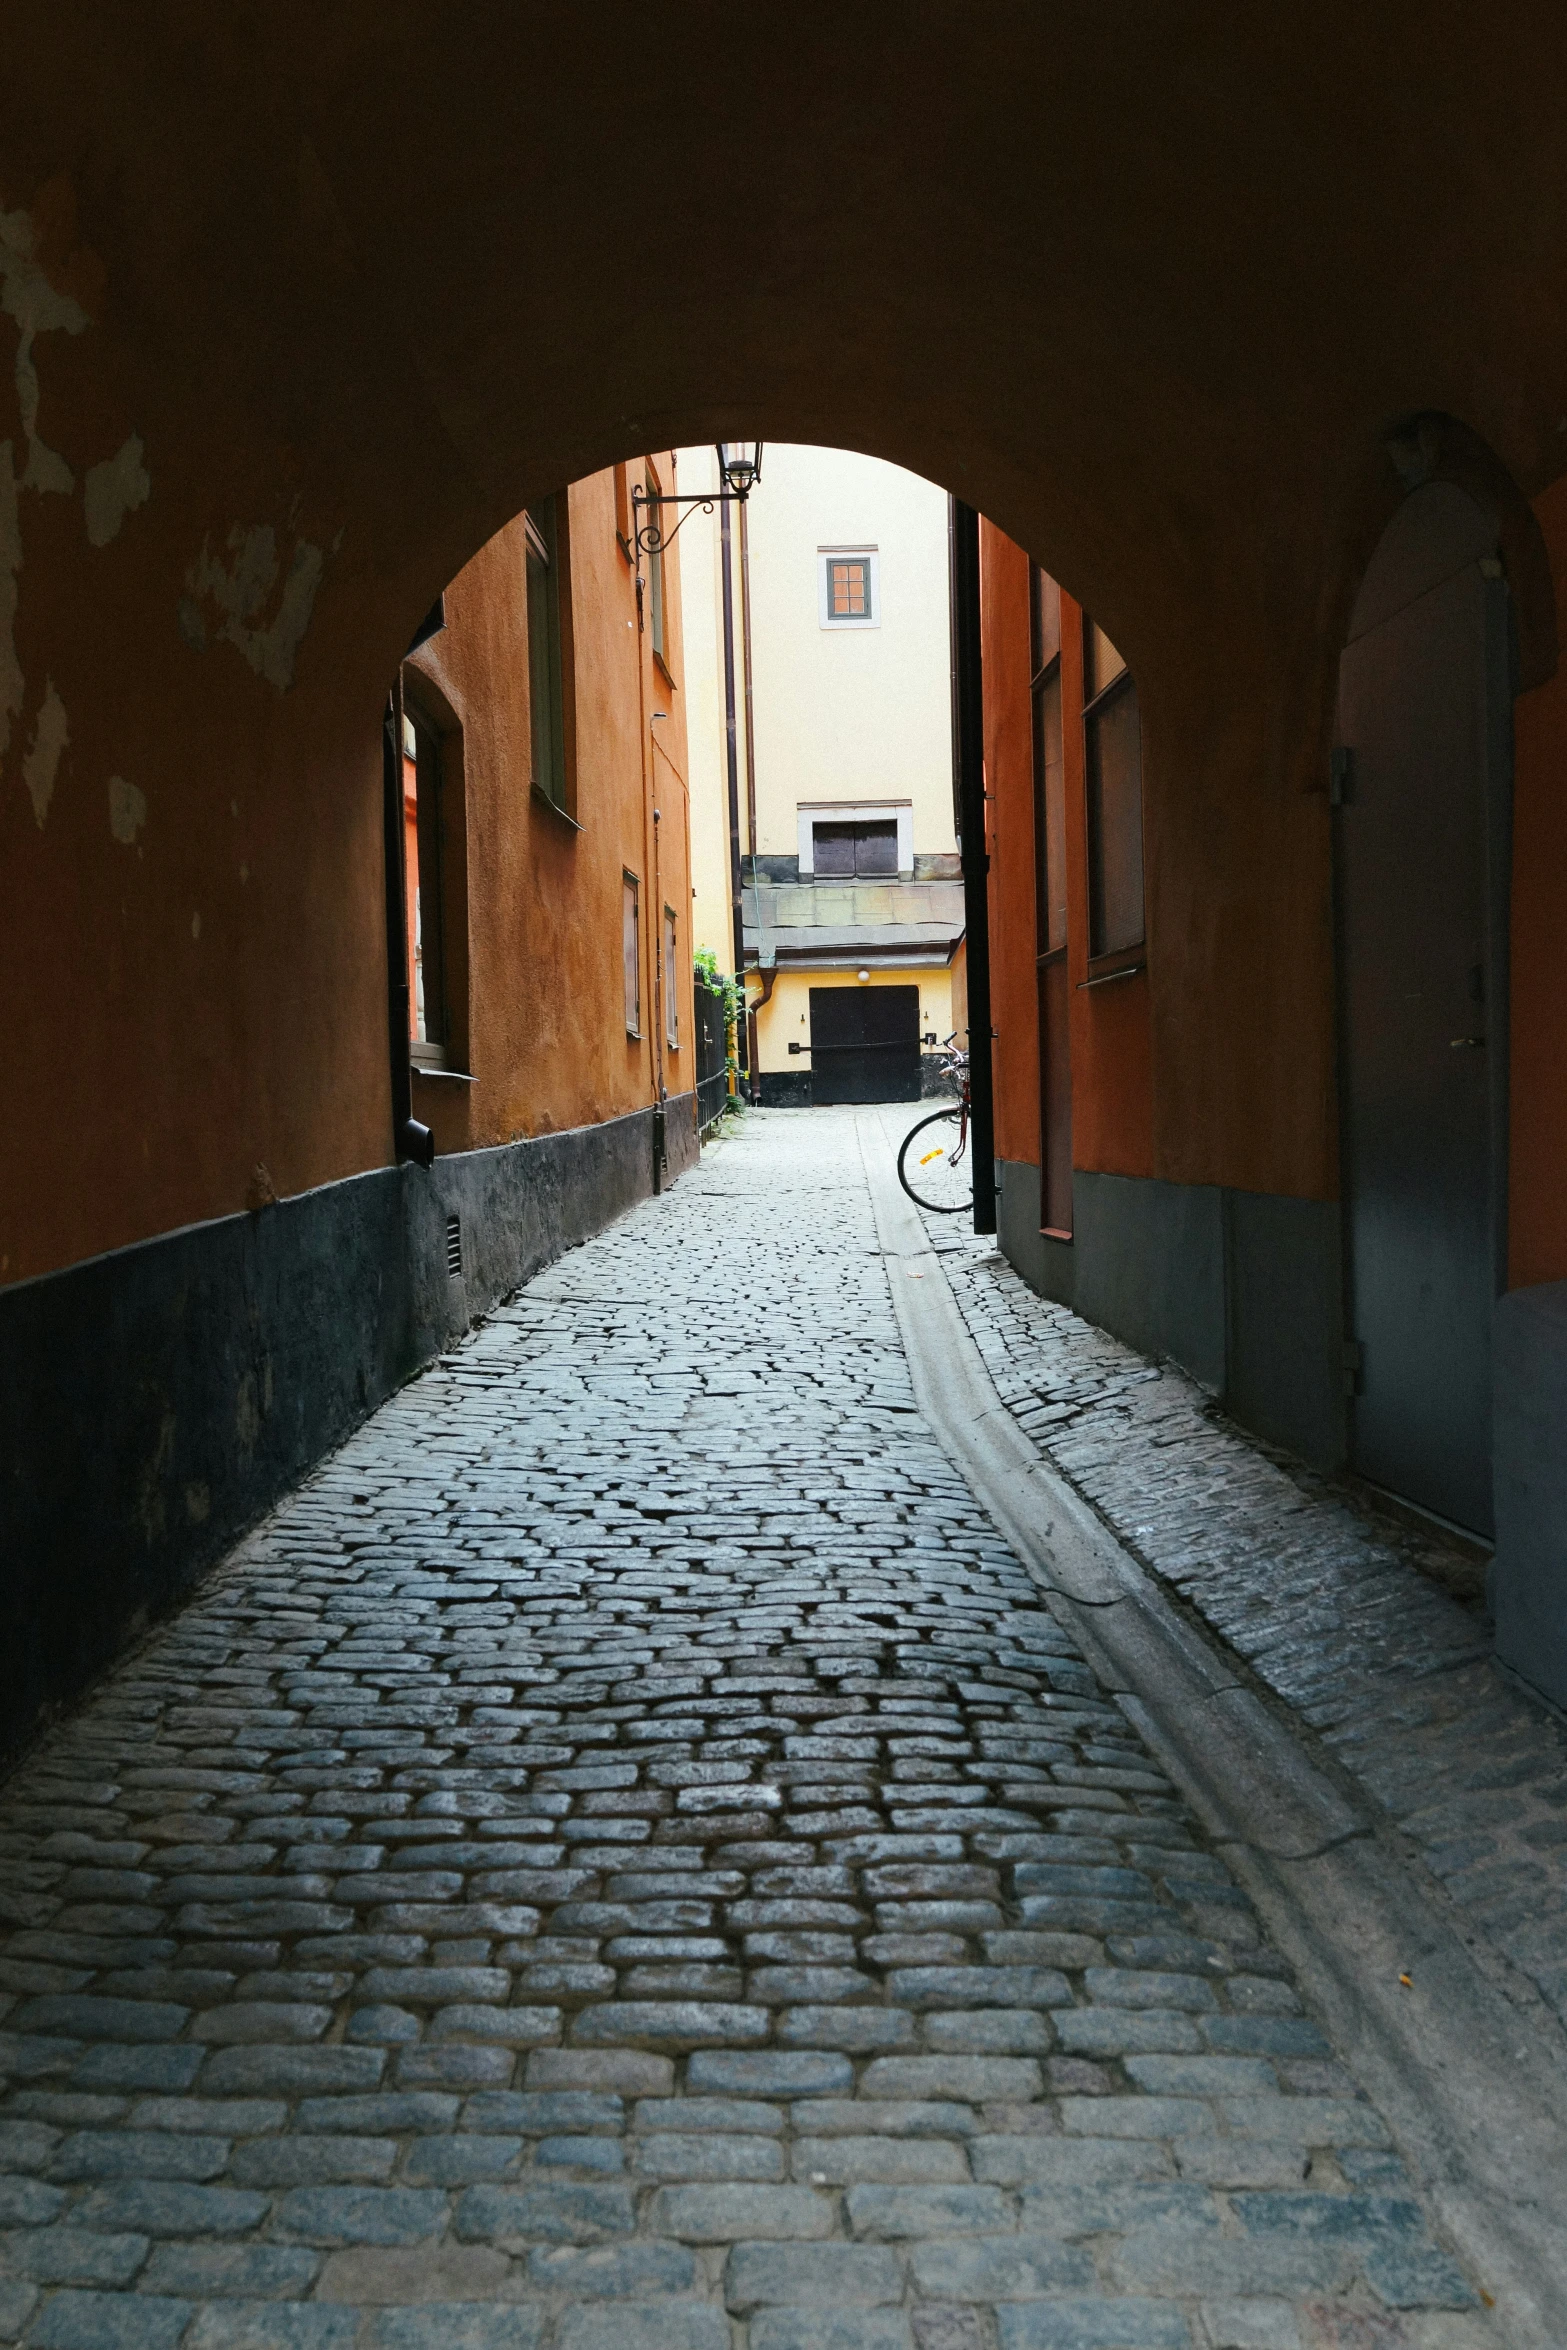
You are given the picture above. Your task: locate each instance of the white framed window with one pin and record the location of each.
(631, 950)
(671, 981)
(843, 840)
(848, 582)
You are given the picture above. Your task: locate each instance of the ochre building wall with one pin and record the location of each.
(547, 1041)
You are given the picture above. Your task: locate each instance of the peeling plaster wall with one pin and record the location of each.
(1164, 360)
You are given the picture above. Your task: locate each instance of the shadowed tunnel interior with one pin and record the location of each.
(299, 312)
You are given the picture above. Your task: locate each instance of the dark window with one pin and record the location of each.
(1054, 996)
(1112, 745)
(422, 852)
(546, 669)
(844, 851)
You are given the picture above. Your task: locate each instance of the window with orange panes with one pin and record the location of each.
(848, 587)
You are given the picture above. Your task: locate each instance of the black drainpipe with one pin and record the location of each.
(968, 746)
(736, 887)
(410, 1139)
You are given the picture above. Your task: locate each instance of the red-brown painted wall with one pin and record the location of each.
(1009, 819)
(1112, 1095)
(1112, 1084)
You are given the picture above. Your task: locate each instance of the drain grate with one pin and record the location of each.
(454, 1247)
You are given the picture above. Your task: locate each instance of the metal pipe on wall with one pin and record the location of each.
(731, 743)
(968, 740)
(750, 788)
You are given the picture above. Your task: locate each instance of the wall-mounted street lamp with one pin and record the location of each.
(739, 469)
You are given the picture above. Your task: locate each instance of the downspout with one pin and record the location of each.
(769, 979)
(968, 737)
(410, 1139)
(660, 1007)
(737, 907)
(750, 791)
(650, 942)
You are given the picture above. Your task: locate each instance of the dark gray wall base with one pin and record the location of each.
(1241, 1288)
(1150, 1266)
(1050, 1266)
(1529, 1576)
(790, 1089)
(157, 1401)
(786, 1089)
(1284, 1275)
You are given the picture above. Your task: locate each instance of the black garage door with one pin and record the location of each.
(865, 1044)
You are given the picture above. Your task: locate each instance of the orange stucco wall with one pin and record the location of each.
(1112, 1087)
(546, 1040)
(221, 1006)
(1537, 1177)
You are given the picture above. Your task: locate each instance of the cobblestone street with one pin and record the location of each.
(1334, 1608)
(624, 1859)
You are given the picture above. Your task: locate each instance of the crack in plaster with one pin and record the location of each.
(11, 679)
(127, 810)
(28, 297)
(244, 589)
(51, 733)
(114, 489)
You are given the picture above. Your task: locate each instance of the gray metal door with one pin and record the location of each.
(865, 1044)
(1422, 862)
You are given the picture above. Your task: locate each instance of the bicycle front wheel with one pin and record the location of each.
(934, 1166)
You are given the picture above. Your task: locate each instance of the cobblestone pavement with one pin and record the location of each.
(1326, 1604)
(623, 1860)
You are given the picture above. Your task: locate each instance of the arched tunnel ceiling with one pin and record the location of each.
(1146, 284)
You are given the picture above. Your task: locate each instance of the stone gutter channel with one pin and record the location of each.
(1469, 2075)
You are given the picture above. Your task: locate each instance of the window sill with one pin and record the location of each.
(634, 1036)
(1054, 1232)
(664, 671)
(441, 1076)
(554, 807)
(1107, 967)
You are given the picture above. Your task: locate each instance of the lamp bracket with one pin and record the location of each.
(649, 538)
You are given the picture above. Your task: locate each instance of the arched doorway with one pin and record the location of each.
(1423, 782)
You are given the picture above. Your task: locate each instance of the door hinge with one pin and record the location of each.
(1341, 777)
(1354, 1364)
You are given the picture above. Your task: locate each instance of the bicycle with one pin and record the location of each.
(937, 1172)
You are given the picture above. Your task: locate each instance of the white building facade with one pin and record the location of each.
(851, 893)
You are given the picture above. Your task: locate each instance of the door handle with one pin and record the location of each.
(1455, 1042)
